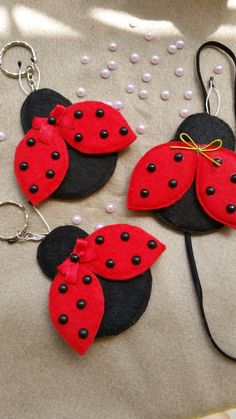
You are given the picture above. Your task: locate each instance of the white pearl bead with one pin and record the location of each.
(218, 69)
(112, 46)
(3, 136)
(134, 58)
(147, 77)
(165, 95)
(76, 219)
(84, 59)
(183, 113)
(148, 36)
(179, 72)
(143, 94)
(130, 88)
(179, 44)
(81, 92)
(98, 225)
(140, 128)
(172, 49)
(133, 23)
(188, 94)
(118, 105)
(110, 207)
(155, 59)
(105, 73)
(112, 65)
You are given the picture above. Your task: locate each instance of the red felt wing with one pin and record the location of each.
(76, 308)
(161, 177)
(123, 251)
(41, 162)
(216, 186)
(93, 127)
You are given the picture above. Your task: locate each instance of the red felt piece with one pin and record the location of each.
(39, 160)
(160, 194)
(90, 126)
(89, 317)
(219, 178)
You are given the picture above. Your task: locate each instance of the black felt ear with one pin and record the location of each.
(125, 301)
(86, 173)
(187, 214)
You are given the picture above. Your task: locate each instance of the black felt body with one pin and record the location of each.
(86, 173)
(187, 214)
(125, 301)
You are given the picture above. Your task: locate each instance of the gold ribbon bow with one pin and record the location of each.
(191, 145)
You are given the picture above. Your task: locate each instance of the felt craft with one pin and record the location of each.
(92, 275)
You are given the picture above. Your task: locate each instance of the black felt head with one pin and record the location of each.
(86, 173)
(125, 301)
(187, 214)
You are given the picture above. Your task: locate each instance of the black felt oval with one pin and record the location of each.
(86, 173)
(125, 301)
(187, 214)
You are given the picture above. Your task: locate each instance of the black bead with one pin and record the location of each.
(125, 236)
(78, 114)
(152, 244)
(87, 279)
(110, 263)
(63, 288)
(30, 142)
(151, 167)
(81, 304)
(63, 319)
(74, 257)
(99, 240)
(123, 131)
(99, 113)
(218, 160)
(55, 155)
(78, 137)
(210, 190)
(83, 333)
(172, 183)
(144, 193)
(50, 174)
(33, 188)
(233, 178)
(178, 157)
(230, 208)
(103, 134)
(23, 166)
(52, 120)
(136, 260)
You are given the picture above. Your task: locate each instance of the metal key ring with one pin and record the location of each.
(16, 44)
(21, 232)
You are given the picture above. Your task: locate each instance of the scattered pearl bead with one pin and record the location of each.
(134, 58)
(130, 88)
(81, 92)
(105, 73)
(133, 23)
(155, 59)
(110, 207)
(98, 225)
(140, 128)
(179, 72)
(188, 94)
(3, 136)
(143, 94)
(172, 49)
(112, 46)
(183, 113)
(76, 220)
(218, 69)
(165, 95)
(118, 105)
(148, 36)
(147, 77)
(179, 44)
(112, 65)
(84, 59)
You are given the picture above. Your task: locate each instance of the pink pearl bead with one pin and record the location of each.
(112, 65)
(140, 128)
(118, 105)
(3, 136)
(172, 49)
(218, 69)
(148, 36)
(143, 94)
(110, 207)
(188, 94)
(183, 113)
(155, 59)
(147, 77)
(165, 95)
(81, 92)
(179, 72)
(130, 88)
(76, 220)
(133, 23)
(112, 46)
(179, 44)
(134, 58)
(98, 225)
(84, 59)
(105, 73)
